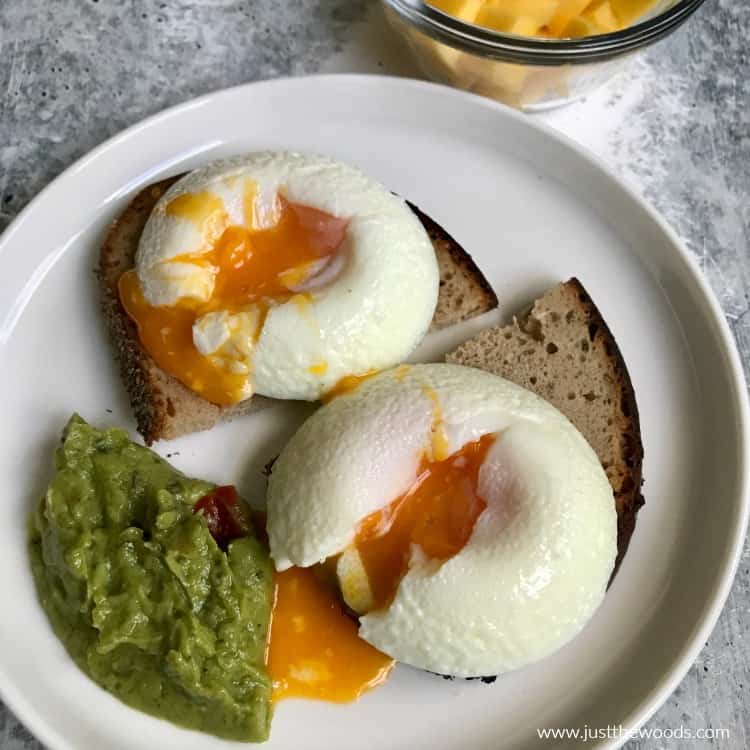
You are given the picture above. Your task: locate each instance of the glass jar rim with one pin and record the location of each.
(540, 51)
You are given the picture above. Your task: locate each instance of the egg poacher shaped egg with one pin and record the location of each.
(279, 273)
(537, 560)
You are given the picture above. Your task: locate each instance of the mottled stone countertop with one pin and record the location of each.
(676, 126)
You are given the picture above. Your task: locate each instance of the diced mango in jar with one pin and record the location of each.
(602, 15)
(497, 19)
(508, 24)
(503, 15)
(524, 26)
(442, 62)
(581, 26)
(548, 18)
(567, 10)
(630, 11)
(518, 84)
(510, 76)
(466, 10)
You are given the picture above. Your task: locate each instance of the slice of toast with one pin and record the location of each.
(164, 408)
(464, 292)
(563, 351)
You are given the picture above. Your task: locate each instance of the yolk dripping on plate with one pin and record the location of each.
(436, 515)
(253, 267)
(314, 650)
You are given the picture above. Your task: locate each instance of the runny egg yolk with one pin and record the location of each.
(253, 268)
(436, 516)
(314, 650)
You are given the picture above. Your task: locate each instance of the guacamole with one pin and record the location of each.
(145, 600)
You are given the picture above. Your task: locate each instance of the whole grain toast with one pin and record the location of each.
(164, 408)
(563, 351)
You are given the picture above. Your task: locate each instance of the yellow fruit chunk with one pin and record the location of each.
(466, 10)
(548, 18)
(630, 11)
(524, 26)
(501, 20)
(581, 26)
(508, 77)
(497, 19)
(567, 10)
(502, 15)
(602, 15)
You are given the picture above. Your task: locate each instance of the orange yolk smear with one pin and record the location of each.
(437, 515)
(347, 384)
(257, 267)
(350, 383)
(314, 650)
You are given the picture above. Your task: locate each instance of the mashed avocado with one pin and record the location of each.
(140, 593)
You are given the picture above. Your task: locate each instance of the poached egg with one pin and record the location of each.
(471, 526)
(279, 273)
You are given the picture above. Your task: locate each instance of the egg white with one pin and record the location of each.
(538, 561)
(369, 317)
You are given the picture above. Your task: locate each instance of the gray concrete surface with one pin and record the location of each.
(676, 126)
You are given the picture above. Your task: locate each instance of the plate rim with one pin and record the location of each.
(650, 703)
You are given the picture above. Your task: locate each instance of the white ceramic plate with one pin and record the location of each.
(533, 209)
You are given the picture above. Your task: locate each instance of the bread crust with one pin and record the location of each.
(464, 291)
(162, 406)
(628, 495)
